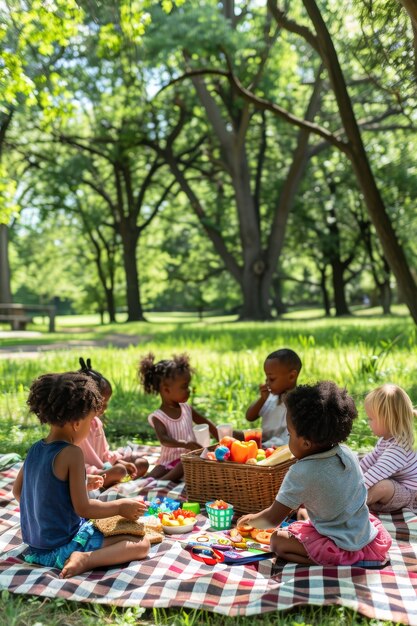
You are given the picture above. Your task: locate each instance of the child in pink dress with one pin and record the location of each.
(113, 466)
(173, 421)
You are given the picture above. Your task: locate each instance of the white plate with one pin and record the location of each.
(178, 530)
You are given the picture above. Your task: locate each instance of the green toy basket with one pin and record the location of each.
(220, 519)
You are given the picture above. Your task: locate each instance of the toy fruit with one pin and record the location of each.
(245, 530)
(219, 504)
(211, 456)
(222, 453)
(241, 451)
(252, 461)
(180, 517)
(279, 455)
(227, 441)
(269, 451)
(264, 536)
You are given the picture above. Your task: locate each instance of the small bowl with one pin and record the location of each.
(178, 530)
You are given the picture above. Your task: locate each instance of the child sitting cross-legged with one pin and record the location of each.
(51, 486)
(173, 421)
(327, 479)
(112, 465)
(390, 470)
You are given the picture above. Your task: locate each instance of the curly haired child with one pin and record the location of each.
(51, 489)
(173, 421)
(327, 479)
(113, 466)
(390, 470)
(282, 368)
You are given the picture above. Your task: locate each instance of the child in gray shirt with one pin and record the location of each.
(327, 481)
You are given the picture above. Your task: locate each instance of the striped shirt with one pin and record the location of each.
(180, 429)
(390, 460)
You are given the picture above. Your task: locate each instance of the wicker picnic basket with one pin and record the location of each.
(250, 488)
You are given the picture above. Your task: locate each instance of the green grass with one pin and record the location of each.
(358, 352)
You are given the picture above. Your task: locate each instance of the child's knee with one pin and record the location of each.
(278, 542)
(142, 548)
(118, 472)
(142, 466)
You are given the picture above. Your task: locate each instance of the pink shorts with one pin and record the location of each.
(323, 550)
(171, 465)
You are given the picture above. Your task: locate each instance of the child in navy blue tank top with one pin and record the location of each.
(51, 485)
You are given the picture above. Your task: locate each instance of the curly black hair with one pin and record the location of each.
(152, 374)
(103, 384)
(287, 357)
(61, 398)
(322, 413)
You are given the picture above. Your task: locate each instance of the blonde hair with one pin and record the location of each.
(391, 404)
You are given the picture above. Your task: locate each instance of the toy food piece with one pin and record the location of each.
(180, 517)
(222, 453)
(220, 504)
(263, 536)
(252, 461)
(245, 530)
(280, 455)
(211, 456)
(241, 451)
(227, 441)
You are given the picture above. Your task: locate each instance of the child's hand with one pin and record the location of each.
(302, 514)
(94, 481)
(192, 445)
(132, 509)
(245, 519)
(264, 391)
(130, 468)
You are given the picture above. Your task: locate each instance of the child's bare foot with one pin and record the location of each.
(75, 564)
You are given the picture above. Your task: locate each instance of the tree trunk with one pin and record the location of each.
(134, 305)
(325, 293)
(339, 288)
(357, 154)
(385, 296)
(111, 307)
(252, 306)
(5, 291)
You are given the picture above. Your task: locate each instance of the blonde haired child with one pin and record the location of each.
(390, 470)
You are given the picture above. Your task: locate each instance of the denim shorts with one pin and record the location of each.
(88, 538)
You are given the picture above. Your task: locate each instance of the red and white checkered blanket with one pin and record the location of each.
(169, 577)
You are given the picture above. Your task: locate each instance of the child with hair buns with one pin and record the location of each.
(390, 470)
(173, 421)
(112, 465)
(51, 488)
(328, 481)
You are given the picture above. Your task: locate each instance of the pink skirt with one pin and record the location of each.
(323, 550)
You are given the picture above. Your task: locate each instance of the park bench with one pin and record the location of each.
(19, 315)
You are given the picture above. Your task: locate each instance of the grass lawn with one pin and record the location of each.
(359, 352)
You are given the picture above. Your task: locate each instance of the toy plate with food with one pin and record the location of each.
(178, 530)
(177, 522)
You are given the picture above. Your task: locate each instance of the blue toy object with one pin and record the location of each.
(222, 453)
(162, 505)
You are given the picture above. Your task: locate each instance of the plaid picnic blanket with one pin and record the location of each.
(169, 577)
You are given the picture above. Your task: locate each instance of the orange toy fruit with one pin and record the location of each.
(245, 530)
(241, 451)
(227, 441)
(264, 536)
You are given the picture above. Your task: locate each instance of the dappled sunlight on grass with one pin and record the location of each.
(359, 353)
